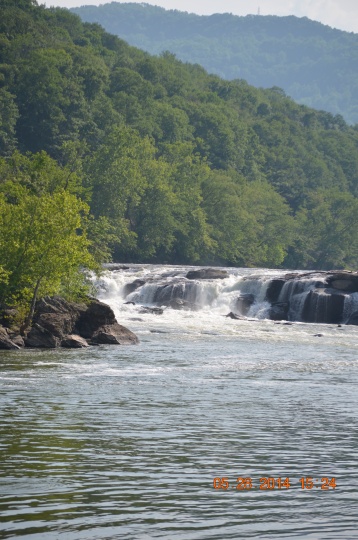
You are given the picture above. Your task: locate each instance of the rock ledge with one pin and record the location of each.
(59, 323)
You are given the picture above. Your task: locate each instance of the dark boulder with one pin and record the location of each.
(207, 273)
(17, 339)
(244, 302)
(57, 304)
(58, 322)
(234, 316)
(131, 287)
(5, 342)
(313, 297)
(40, 337)
(96, 315)
(73, 341)
(278, 311)
(274, 289)
(323, 306)
(114, 266)
(179, 289)
(114, 334)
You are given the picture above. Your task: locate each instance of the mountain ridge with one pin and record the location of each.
(313, 63)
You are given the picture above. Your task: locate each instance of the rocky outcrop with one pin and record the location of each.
(5, 342)
(178, 289)
(40, 337)
(274, 289)
(207, 273)
(59, 323)
(346, 282)
(323, 305)
(312, 297)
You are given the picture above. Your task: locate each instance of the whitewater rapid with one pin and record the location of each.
(213, 300)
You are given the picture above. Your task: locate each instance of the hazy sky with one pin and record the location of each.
(341, 14)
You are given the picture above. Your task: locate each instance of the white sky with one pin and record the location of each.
(342, 14)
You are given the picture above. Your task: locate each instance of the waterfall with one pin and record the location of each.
(252, 293)
(350, 306)
(295, 292)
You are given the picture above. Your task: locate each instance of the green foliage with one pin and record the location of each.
(327, 232)
(315, 64)
(46, 247)
(250, 221)
(8, 119)
(106, 150)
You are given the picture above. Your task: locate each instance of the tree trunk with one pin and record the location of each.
(30, 315)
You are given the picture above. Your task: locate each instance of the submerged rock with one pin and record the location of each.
(155, 310)
(232, 315)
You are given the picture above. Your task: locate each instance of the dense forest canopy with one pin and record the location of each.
(316, 65)
(108, 150)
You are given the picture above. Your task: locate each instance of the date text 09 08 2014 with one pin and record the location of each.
(306, 482)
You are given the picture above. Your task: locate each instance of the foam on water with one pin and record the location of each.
(214, 299)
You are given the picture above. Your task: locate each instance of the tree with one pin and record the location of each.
(8, 117)
(326, 235)
(47, 250)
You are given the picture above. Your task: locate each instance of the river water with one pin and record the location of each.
(125, 442)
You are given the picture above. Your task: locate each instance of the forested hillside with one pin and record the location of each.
(106, 149)
(315, 64)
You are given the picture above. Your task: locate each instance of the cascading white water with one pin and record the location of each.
(350, 306)
(159, 285)
(295, 294)
(168, 288)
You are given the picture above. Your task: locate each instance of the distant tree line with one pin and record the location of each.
(316, 65)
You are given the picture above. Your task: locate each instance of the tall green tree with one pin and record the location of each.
(47, 250)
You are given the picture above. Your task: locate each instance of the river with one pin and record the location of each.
(173, 438)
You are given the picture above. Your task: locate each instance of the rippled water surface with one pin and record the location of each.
(125, 442)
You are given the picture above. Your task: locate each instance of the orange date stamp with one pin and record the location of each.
(265, 483)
